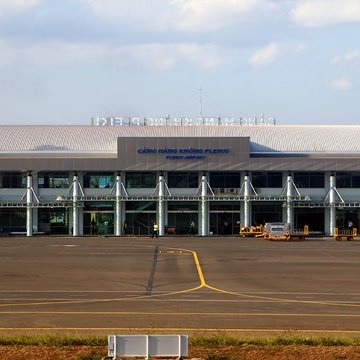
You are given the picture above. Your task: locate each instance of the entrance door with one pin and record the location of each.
(225, 223)
(54, 221)
(181, 221)
(99, 223)
(140, 223)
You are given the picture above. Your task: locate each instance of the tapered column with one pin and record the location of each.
(161, 205)
(332, 201)
(75, 205)
(247, 203)
(204, 226)
(29, 202)
(118, 206)
(289, 207)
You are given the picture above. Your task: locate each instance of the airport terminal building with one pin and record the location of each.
(119, 178)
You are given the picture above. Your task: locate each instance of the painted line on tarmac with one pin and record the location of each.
(312, 302)
(151, 299)
(167, 291)
(159, 313)
(202, 285)
(281, 300)
(197, 264)
(74, 291)
(272, 330)
(57, 301)
(88, 301)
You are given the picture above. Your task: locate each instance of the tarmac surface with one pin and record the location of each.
(179, 284)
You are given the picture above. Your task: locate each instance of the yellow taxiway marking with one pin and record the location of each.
(202, 285)
(284, 300)
(159, 313)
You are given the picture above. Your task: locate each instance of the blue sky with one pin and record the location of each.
(64, 61)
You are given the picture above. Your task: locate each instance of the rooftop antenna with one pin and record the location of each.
(201, 101)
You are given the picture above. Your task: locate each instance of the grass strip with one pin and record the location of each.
(228, 340)
(54, 340)
(194, 340)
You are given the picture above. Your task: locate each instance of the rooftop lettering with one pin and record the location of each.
(182, 121)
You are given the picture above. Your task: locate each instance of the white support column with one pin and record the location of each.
(35, 211)
(204, 226)
(29, 202)
(247, 203)
(75, 205)
(161, 205)
(289, 207)
(332, 201)
(118, 207)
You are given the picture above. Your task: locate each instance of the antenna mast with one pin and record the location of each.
(200, 101)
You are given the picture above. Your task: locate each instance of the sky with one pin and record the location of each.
(65, 61)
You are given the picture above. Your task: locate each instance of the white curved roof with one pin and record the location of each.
(278, 138)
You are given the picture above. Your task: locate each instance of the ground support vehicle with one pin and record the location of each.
(347, 234)
(251, 231)
(282, 232)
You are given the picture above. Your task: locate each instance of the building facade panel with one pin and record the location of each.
(94, 181)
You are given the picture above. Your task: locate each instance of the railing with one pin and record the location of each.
(68, 201)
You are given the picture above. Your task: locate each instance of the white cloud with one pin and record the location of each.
(347, 57)
(271, 53)
(317, 13)
(189, 15)
(342, 84)
(122, 9)
(214, 14)
(12, 6)
(153, 55)
(168, 56)
(8, 54)
(154, 14)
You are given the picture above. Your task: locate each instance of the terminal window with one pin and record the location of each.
(309, 179)
(53, 180)
(98, 180)
(141, 180)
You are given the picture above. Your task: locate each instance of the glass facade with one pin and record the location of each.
(180, 216)
(347, 180)
(54, 221)
(314, 218)
(182, 180)
(224, 218)
(140, 206)
(12, 180)
(266, 212)
(97, 217)
(140, 223)
(225, 180)
(98, 180)
(140, 215)
(54, 180)
(346, 217)
(267, 179)
(141, 180)
(309, 179)
(12, 220)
